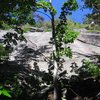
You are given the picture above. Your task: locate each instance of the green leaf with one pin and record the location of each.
(68, 52)
(6, 93)
(0, 92)
(70, 36)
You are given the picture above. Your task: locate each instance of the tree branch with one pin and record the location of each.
(44, 13)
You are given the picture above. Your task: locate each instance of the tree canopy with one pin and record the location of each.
(34, 83)
(95, 6)
(16, 11)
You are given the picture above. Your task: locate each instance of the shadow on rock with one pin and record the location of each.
(24, 82)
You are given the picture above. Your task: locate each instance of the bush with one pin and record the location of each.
(91, 69)
(47, 24)
(3, 53)
(25, 27)
(4, 92)
(5, 26)
(74, 25)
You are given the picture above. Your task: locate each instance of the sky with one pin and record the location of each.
(77, 16)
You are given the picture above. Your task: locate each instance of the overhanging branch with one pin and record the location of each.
(44, 13)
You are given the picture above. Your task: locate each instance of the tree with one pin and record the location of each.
(61, 34)
(95, 6)
(16, 12)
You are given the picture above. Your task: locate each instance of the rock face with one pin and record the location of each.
(37, 49)
(90, 38)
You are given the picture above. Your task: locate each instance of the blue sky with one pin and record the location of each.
(77, 16)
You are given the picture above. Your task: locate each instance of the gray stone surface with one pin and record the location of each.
(37, 49)
(90, 38)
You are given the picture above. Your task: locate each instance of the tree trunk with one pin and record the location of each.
(55, 74)
(54, 60)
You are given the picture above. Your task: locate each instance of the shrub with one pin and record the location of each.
(5, 26)
(25, 27)
(3, 53)
(4, 92)
(91, 68)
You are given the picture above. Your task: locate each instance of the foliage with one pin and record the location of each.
(5, 26)
(26, 27)
(3, 52)
(95, 6)
(95, 29)
(62, 36)
(13, 86)
(4, 92)
(39, 24)
(16, 12)
(91, 27)
(12, 15)
(12, 38)
(47, 25)
(70, 24)
(46, 6)
(9, 41)
(91, 68)
(75, 25)
(92, 4)
(10, 85)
